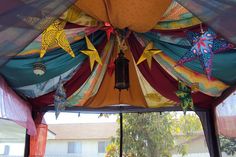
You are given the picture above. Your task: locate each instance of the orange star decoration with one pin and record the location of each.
(55, 34)
(92, 53)
(148, 53)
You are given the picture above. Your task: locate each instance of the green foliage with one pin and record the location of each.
(152, 134)
(227, 145)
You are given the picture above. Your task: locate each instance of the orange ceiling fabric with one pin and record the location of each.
(137, 15)
(107, 95)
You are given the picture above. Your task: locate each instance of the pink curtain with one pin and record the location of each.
(14, 108)
(226, 117)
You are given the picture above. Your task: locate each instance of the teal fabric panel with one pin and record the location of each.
(223, 66)
(18, 71)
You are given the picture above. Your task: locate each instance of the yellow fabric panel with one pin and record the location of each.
(107, 95)
(137, 15)
(76, 16)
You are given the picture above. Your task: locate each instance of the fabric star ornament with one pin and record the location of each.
(92, 53)
(203, 48)
(184, 94)
(148, 53)
(60, 98)
(55, 34)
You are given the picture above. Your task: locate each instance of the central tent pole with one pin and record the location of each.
(121, 134)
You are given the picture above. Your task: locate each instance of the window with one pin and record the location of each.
(12, 139)
(6, 150)
(102, 146)
(74, 147)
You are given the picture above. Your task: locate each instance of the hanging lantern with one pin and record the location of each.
(121, 72)
(39, 69)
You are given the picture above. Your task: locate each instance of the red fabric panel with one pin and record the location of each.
(38, 142)
(71, 86)
(160, 80)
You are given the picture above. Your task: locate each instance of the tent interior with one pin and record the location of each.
(126, 56)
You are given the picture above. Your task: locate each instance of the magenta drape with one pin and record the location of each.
(14, 108)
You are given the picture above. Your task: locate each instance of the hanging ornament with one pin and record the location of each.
(92, 53)
(55, 34)
(121, 72)
(109, 30)
(148, 53)
(184, 94)
(204, 46)
(60, 98)
(39, 68)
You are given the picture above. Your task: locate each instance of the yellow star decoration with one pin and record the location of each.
(148, 52)
(92, 53)
(55, 34)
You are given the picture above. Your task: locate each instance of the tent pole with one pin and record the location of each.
(213, 133)
(27, 145)
(121, 134)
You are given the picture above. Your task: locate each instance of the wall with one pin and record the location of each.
(59, 148)
(16, 149)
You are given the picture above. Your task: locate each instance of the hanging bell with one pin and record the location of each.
(121, 72)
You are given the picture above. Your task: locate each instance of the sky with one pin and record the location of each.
(68, 118)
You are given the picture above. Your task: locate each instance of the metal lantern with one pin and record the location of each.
(39, 68)
(121, 72)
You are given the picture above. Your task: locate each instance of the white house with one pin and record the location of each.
(79, 140)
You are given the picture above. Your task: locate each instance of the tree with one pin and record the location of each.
(227, 145)
(152, 134)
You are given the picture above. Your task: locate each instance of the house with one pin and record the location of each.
(79, 140)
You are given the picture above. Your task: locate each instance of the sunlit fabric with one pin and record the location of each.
(57, 61)
(216, 14)
(14, 108)
(21, 21)
(138, 15)
(223, 71)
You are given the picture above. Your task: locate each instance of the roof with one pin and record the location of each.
(83, 131)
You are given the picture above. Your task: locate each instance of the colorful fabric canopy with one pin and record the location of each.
(109, 26)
